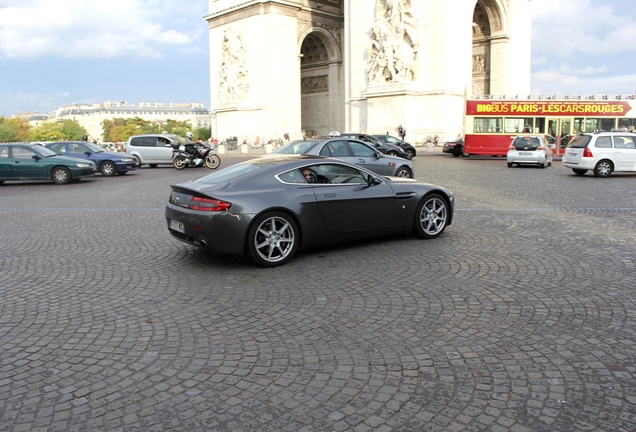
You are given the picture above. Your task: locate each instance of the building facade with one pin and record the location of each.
(91, 116)
(308, 67)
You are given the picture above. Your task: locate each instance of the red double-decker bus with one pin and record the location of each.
(490, 125)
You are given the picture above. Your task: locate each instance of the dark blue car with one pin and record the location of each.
(108, 163)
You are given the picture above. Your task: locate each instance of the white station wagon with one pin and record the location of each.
(603, 153)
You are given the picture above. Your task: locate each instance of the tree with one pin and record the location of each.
(67, 130)
(202, 133)
(14, 129)
(119, 129)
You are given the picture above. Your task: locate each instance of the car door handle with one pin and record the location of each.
(331, 195)
(361, 161)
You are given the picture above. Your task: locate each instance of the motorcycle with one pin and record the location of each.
(181, 158)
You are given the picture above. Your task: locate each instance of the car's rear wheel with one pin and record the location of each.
(603, 168)
(272, 239)
(579, 172)
(431, 217)
(212, 161)
(61, 175)
(107, 168)
(404, 172)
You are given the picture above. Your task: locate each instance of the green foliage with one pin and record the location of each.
(14, 129)
(119, 129)
(67, 130)
(202, 133)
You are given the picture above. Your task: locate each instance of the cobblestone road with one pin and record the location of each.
(521, 317)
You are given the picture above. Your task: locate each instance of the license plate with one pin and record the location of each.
(571, 154)
(522, 153)
(177, 226)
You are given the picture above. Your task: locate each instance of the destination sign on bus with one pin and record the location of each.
(548, 108)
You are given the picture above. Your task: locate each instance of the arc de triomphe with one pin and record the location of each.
(315, 66)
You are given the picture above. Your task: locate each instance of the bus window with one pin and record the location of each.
(578, 126)
(514, 125)
(608, 124)
(539, 125)
(487, 124)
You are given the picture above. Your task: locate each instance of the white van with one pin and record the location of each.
(603, 153)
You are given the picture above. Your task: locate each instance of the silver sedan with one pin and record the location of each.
(352, 151)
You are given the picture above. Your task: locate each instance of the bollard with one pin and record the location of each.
(244, 148)
(268, 148)
(221, 148)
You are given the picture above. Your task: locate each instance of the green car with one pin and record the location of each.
(22, 161)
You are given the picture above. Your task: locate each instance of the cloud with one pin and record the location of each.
(582, 46)
(93, 29)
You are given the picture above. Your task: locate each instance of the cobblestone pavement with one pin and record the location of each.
(521, 317)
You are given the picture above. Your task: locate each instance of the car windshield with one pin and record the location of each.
(580, 141)
(296, 147)
(43, 151)
(94, 147)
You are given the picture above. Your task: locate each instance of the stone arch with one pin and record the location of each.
(320, 81)
(489, 27)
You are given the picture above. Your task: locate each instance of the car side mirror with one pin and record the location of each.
(36, 157)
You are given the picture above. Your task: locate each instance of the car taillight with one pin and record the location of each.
(587, 152)
(511, 147)
(208, 204)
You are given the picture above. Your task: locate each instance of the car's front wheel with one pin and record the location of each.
(603, 168)
(272, 239)
(403, 172)
(61, 175)
(107, 168)
(431, 217)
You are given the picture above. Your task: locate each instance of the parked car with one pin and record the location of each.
(266, 209)
(390, 139)
(352, 151)
(456, 148)
(26, 161)
(529, 150)
(381, 146)
(108, 163)
(153, 149)
(603, 153)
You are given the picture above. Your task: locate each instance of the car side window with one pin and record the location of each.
(4, 152)
(22, 153)
(339, 148)
(293, 176)
(624, 142)
(76, 148)
(58, 148)
(603, 142)
(361, 150)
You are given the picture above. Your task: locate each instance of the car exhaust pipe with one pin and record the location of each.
(203, 242)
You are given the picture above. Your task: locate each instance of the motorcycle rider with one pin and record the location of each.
(190, 146)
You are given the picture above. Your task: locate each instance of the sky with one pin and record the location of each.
(59, 52)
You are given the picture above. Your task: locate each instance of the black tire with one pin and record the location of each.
(410, 154)
(61, 175)
(579, 172)
(404, 172)
(603, 168)
(179, 162)
(108, 168)
(212, 161)
(456, 154)
(431, 217)
(392, 153)
(273, 239)
(137, 161)
(153, 165)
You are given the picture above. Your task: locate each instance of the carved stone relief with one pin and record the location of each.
(394, 42)
(314, 84)
(233, 72)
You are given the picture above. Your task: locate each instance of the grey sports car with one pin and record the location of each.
(352, 151)
(270, 207)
